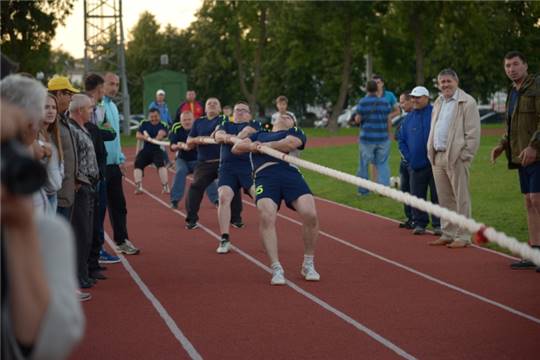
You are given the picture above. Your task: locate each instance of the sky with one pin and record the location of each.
(180, 14)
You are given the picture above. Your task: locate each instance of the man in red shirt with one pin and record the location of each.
(190, 105)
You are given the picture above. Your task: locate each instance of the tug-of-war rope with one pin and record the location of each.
(483, 233)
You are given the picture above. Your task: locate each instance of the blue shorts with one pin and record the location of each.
(235, 178)
(529, 178)
(279, 182)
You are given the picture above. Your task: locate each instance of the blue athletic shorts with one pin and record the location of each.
(529, 178)
(235, 178)
(280, 182)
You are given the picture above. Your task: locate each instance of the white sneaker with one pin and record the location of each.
(309, 273)
(138, 189)
(224, 247)
(165, 189)
(278, 277)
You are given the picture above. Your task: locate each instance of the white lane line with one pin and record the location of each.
(175, 330)
(387, 343)
(421, 274)
(409, 269)
(396, 221)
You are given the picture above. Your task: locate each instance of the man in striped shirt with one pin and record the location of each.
(375, 126)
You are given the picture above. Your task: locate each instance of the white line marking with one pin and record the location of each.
(178, 334)
(387, 343)
(396, 221)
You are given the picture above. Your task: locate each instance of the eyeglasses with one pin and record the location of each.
(240, 111)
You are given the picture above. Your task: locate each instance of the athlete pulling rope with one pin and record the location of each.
(483, 232)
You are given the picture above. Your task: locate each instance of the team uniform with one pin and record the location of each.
(277, 179)
(150, 153)
(186, 160)
(206, 171)
(235, 170)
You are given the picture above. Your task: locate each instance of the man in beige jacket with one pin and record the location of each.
(453, 141)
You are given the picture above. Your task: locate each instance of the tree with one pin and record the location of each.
(27, 29)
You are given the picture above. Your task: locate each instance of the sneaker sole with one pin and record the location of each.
(109, 261)
(278, 282)
(318, 278)
(192, 228)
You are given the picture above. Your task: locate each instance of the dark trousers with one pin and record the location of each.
(65, 212)
(116, 203)
(421, 180)
(204, 174)
(405, 186)
(82, 221)
(97, 227)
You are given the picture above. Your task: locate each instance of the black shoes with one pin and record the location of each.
(523, 265)
(238, 224)
(406, 225)
(190, 225)
(97, 275)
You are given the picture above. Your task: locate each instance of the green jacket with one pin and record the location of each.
(523, 129)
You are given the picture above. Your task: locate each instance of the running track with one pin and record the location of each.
(384, 293)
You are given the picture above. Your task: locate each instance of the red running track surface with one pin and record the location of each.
(383, 293)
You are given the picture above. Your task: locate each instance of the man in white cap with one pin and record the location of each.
(453, 142)
(413, 138)
(161, 105)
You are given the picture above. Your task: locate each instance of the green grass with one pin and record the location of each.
(496, 199)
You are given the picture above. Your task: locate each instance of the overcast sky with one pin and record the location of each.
(179, 13)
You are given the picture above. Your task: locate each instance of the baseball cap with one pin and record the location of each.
(160, 92)
(419, 91)
(60, 83)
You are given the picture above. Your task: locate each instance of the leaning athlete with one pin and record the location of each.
(277, 180)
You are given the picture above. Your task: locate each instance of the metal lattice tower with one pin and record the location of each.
(104, 45)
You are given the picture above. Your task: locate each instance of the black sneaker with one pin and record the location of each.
(190, 225)
(522, 265)
(238, 224)
(174, 204)
(97, 275)
(406, 225)
(419, 230)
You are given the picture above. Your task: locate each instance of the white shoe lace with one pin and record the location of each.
(278, 277)
(309, 273)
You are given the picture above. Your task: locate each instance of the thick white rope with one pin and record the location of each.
(482, 232)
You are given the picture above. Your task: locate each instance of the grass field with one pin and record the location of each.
(496, 199)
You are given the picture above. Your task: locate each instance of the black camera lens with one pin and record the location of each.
(20, 173)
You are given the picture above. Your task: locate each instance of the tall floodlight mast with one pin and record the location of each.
(104, 45)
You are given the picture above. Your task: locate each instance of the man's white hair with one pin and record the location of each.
(28, 94)
(78, 101)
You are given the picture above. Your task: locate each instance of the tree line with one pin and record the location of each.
(314, 52)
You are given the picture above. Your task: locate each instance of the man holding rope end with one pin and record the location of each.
(151, 129)
(277, 180)
(522, 142)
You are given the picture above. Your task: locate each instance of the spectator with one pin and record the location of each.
(80, 112)
(454, 139)
(387, 94)
(206, 170)
(62, 89)
(375, 127)
(151, 129)
(190, 105)
(40, 315)
(116, 201)
(406, 104)
(186, 160)
(277, 180)
(413, 139)
(521, 143)
(161, 105)
(282, 104)
(100, 131)
(228, 112)
(50, 133)
(234, 170)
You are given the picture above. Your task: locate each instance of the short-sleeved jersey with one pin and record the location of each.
(374, 112)
(152, 130)
(179, 134)
(258, 159)
(227, 158)
(205, 127)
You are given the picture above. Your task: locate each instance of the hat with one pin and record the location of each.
(160, 92)
(419, 91)
(60, 83)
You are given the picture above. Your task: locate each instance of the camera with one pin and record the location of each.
(20, 173)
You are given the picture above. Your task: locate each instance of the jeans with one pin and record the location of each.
(376, 154)
(102, 207)
(65, 212)
(405, 186)
(183, 168)
(421, 180)
(53, 201)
